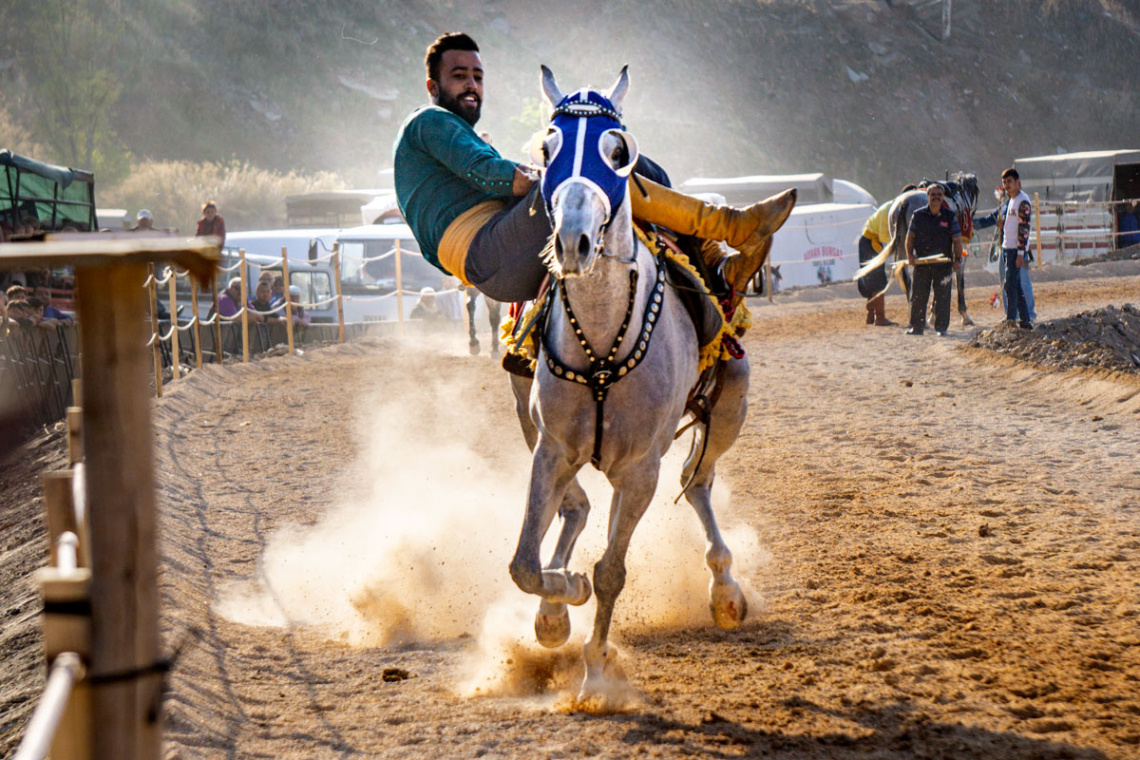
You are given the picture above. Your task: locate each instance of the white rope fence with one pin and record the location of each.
(283, 311)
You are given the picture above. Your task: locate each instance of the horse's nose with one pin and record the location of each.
(583, 246)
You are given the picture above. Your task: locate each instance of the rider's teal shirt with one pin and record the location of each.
(443, 168)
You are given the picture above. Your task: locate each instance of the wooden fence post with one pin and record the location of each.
(194, 285)
(217, 322)
(339, 296)
(61, 512)
(399, 292)
(156, 331)
(288, 299)
(119, 474)
(176, 363)
(245, 313)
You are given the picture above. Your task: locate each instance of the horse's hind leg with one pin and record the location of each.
(473, 343)
(494, 315)
(726, 600)
(632, 494)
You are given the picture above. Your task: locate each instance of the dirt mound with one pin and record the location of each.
(1107, 338)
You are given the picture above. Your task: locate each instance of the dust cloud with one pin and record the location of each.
(420, 552)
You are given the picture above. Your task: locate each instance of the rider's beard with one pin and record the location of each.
(468, 113)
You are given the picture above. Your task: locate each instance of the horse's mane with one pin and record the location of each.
(547, 257)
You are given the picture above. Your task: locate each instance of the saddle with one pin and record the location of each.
(718, 325)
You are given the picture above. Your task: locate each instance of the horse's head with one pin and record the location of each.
(962, 195)
(963, 191)
(588, 158)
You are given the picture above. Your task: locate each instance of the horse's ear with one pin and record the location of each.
(550, 88)
(621, 87)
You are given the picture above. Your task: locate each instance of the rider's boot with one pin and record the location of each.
(748, 230)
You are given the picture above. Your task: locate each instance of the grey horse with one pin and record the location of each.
(605, 281)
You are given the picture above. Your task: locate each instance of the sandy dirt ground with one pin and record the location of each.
(941, 546)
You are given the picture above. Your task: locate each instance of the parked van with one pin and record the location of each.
(307, 269)
(368, 274)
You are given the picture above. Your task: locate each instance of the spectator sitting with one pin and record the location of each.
(300, 316)
(19, 315)
(278, 288)
(211, 223)
(36, 314)
(17, 293)
(144, 222)
(427, 308)
(43, 292)
(261, 302)
(229, 299)
(30, 224)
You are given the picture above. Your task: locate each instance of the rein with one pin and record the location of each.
(603, 372)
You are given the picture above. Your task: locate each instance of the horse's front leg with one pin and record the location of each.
(727, 602)
(633, 491)
(552, 621)
(550, 476)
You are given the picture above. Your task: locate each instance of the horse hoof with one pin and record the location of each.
(728, 605)
(552, 624)
(473, 348)
(580, 590)
(605, 687)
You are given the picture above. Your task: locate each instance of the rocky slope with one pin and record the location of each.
(862, 89)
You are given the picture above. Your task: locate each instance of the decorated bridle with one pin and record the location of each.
(582, 119)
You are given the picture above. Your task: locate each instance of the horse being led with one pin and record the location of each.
(618, 356)
(961, 197)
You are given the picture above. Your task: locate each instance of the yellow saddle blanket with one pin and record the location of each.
(718, 340)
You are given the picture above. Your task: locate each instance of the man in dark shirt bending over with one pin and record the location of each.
(477, 215)
(933, 248)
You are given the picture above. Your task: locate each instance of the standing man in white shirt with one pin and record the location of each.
(1014, 243)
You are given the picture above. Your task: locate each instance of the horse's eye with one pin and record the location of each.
(620, 155)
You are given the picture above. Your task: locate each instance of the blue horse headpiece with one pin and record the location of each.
(580, 120)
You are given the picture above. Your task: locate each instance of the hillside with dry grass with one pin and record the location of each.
(866, 90)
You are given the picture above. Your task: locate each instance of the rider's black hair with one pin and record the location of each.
(443, 43)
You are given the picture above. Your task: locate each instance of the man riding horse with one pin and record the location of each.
(479, 216)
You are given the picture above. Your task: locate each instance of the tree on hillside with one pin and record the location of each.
(68, 56)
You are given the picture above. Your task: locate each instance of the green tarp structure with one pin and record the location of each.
(53, 194)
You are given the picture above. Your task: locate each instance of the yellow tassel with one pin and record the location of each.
(529, 347)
